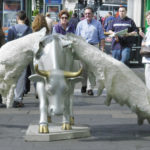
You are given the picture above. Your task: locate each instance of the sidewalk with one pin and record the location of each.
(112, 128)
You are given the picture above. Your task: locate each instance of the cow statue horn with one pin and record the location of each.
(68, 74)
(42, 72)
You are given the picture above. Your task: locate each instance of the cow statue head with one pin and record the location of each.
(58, 87)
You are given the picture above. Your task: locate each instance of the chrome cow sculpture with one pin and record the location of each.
(55, 81)
(14, 57)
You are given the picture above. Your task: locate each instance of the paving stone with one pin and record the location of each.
(112, 128)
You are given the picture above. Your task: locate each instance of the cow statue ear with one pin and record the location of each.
(37, 49)
(42, 37)
(43, 32)
(66, 44)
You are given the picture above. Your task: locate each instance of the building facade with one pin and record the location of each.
(70, 4)
(8, 10)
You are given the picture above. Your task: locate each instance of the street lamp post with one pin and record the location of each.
(78, 9)
(44, 11)
(28, 9)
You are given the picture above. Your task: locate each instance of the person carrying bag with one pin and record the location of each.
(145, 51)
(145, 48)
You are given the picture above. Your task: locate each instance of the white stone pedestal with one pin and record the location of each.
(56, 133)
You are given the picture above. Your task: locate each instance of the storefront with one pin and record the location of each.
(8, 10)
(53, 6)
(1, 8)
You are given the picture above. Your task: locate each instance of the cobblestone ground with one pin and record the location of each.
(112, 128)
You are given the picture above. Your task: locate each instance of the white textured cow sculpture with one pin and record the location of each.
(14, 57)
(121, 83)
(55, 80)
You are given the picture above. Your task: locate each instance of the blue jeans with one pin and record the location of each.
(122, 55)
(116, 54)
(20, 86)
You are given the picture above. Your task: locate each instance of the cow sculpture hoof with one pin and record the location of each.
(66, 126)
(72, 120)
(43, 128)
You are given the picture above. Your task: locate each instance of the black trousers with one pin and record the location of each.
(27, 81)
(0, 99)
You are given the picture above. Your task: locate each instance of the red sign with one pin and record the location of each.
(12, 6)
(53, 9)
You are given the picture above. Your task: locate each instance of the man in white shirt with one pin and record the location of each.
(91, 30)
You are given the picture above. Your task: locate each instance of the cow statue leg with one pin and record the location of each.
(71, 111)
(66, 115)
(43, 124)
(71, 105)
(4, 93)
(101, 87)
(10, 95)
(72, 83)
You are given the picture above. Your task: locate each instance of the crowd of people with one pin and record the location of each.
(88, 27)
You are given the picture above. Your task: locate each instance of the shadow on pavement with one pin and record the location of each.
(14, 126)
(121, 132)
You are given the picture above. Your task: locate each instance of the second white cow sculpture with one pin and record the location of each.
(121, 83)
(14, 57)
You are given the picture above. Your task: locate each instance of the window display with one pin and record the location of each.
(10, 8)
(54, 10)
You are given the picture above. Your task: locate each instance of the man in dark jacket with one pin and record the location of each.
(74, 20)
(121, 45)
(108, 21)
(19, 30)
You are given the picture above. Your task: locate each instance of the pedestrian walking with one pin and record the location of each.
(63, 26)
(82, 17)
(91, 30)
(14, 32)
(121, 45)
(74, 20)
(108, 21)
(2, 35)
(2, 41)
(146, 42)
(38, 23)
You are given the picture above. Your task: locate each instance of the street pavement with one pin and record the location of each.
(112, 128)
